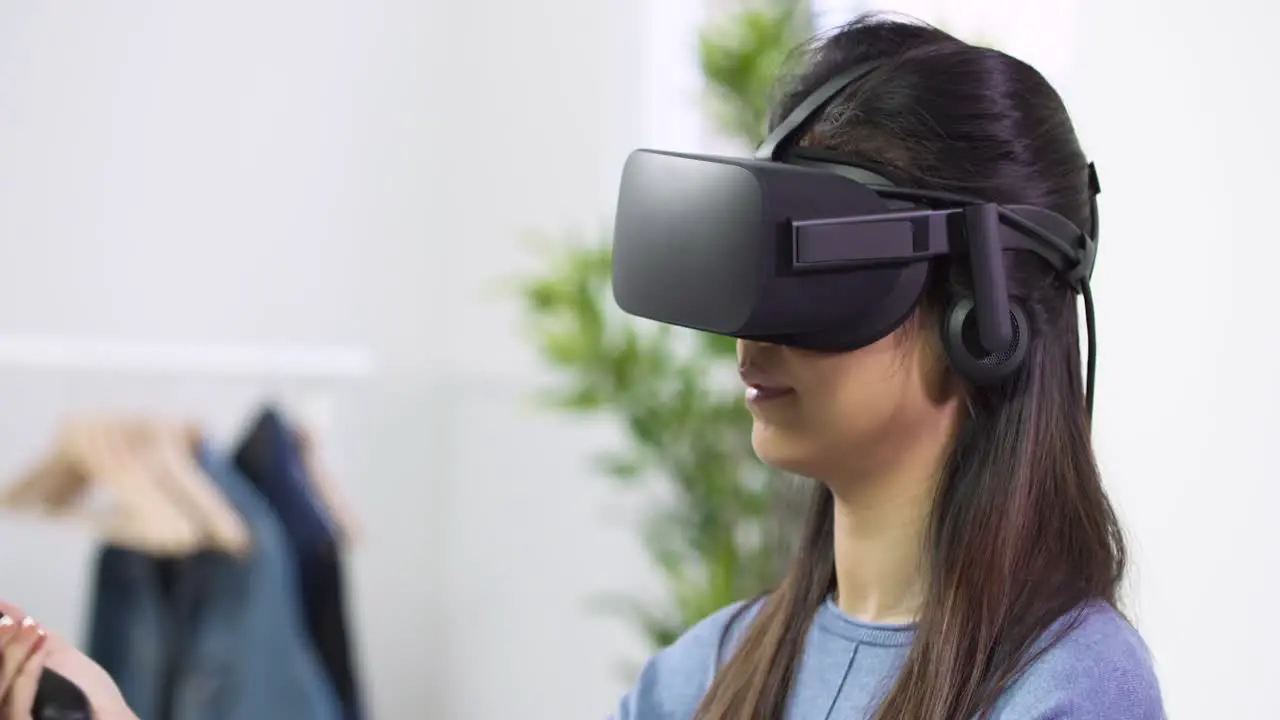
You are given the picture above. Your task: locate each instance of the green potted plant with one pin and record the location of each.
(724, 527)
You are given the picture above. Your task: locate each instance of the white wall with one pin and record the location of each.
(1171, 105)
(360, 173)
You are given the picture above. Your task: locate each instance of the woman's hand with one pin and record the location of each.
(24, 648)
(34, 649)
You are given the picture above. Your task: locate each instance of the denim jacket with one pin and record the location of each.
(273, 461)
(211, 637)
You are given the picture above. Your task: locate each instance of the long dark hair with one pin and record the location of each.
(1021, 533)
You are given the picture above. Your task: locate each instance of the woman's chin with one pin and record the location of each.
(780, 449)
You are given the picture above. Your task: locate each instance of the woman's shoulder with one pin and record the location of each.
(1096, 666)
(674, 680)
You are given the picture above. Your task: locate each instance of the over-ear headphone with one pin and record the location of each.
(968, 356)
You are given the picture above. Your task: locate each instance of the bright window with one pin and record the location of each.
(674, 115)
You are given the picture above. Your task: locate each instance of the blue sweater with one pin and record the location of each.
(1100, 670)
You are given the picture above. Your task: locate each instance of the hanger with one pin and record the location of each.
(325, 485)
(91, 455)
(172, 449)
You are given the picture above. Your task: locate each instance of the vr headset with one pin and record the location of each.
(796, 248)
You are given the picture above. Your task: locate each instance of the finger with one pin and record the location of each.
(22, 695)
(17, 642)
(8, 633)
(15, 613)
(9, 610)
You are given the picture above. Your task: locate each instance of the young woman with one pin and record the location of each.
(961, 559)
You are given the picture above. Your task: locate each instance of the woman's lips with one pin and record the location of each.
(761, 386)
(765, 393)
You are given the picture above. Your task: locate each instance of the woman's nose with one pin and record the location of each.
(751, 351)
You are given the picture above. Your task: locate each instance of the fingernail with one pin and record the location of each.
(28, 621)
(6, 621)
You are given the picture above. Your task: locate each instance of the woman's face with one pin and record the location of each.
(830, 416)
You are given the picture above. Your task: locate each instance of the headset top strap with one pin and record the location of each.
(783, 133)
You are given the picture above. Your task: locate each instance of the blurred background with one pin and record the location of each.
(382, 222)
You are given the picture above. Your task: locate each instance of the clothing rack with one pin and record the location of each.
(293, 578)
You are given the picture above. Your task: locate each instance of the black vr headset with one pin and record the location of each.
(797, 248)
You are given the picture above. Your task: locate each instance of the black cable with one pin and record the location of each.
(1091, 360)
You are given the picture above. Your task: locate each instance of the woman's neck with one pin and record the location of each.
(879, 532)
